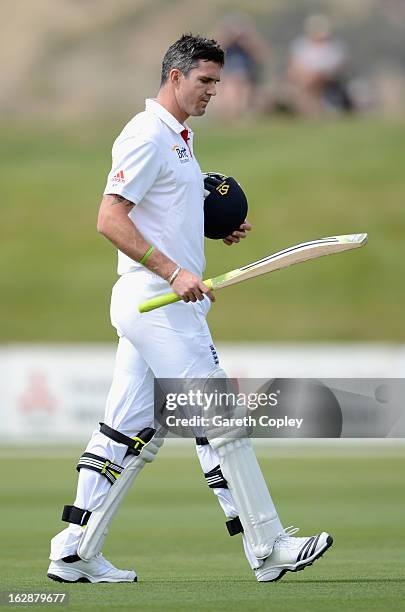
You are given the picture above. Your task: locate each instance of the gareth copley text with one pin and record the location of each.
(221, 421)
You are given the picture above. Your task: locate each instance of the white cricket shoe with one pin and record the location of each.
(97, 569)
(292, 554)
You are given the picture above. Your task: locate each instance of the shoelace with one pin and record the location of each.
(287, 533)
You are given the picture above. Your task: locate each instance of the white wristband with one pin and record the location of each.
(174, 274)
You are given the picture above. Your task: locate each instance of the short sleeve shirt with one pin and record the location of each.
(155, 168)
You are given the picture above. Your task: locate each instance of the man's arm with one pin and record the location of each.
(113, 223)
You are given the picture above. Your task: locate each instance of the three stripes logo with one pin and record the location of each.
(101, 465)
(119, 177)
(215, 479)
(214, 354)
(308, 549)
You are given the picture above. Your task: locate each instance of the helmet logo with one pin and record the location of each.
(223, 189)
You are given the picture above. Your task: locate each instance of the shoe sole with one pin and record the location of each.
(84, 579)
(303, 565)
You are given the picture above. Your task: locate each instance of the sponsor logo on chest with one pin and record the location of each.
(182, 153)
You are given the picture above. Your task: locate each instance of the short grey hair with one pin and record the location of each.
(186, 52)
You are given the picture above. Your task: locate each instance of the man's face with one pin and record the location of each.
(194, 91)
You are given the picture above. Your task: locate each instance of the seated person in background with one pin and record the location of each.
(316, 70)
(246, 54)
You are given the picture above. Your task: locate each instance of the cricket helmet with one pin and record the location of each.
(225, 205)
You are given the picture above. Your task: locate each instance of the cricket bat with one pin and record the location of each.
(282, 259)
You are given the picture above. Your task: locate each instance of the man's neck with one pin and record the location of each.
(169, 102)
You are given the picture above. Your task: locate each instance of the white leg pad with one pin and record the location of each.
(250, 493)
(97, 527)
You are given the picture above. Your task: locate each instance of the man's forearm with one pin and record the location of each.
(117, 227)
(114, 223)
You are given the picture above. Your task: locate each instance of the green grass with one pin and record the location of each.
(304, 180)
(172, 530)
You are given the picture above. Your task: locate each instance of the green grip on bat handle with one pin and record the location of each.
(164, 300)
(157, 302)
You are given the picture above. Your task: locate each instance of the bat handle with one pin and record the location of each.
(158, 302)
(164, 300)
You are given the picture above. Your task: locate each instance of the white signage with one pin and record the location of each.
(53, 394)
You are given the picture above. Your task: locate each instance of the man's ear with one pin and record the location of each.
(175, 75)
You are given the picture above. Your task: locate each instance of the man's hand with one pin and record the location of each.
(190, 287)
(237, 235)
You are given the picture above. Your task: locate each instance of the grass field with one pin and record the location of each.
(171, 529)
(303, 180)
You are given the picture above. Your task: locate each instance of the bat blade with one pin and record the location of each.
(291, 256)
(282, 259)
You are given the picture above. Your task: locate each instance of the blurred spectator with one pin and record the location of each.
(317, 69)
(246, 55)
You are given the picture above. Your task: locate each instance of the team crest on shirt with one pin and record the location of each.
(182, 153)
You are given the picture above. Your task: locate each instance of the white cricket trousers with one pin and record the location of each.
(170, 342)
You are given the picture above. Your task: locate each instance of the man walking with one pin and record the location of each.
(152, 211)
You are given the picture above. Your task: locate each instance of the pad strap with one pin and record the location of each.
(101, 465)
(201, 441)
(73, 514)
(234, 526)
(215, 479)
(135, 444)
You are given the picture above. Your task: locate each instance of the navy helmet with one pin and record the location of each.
(225, 205)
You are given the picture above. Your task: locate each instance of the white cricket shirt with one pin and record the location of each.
(153, 167)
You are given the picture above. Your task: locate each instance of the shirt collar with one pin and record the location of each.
(163, 114)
